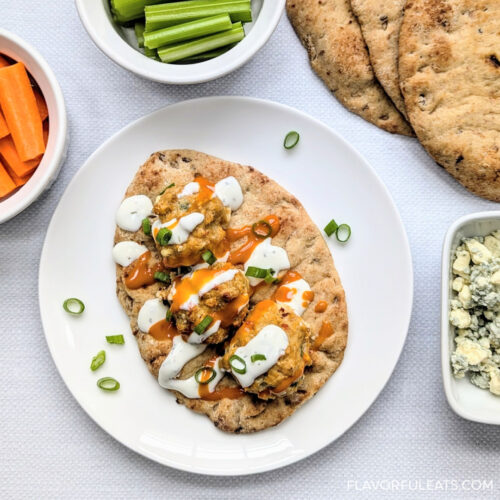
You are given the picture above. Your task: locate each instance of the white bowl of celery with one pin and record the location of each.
(188, 41)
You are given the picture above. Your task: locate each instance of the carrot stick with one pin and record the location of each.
(9, 154)
(42, 105)
(4, 130)
(18, 103)
(7, 185)
(46, 132)
(3, 62)
(18, 181)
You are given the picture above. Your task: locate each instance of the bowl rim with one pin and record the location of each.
(127, 57)
(52, 169)
(446, 330)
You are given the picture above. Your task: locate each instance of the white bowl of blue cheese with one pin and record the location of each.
(471, 317)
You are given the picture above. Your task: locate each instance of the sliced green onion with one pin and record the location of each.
(162, 276)
(256, 272)
(169, 14)
(291, 139)
(168, 315)
(208, 257)
(187, 31)
(264, 274)
(257, 357)
(203, 325)
(115, 339)
(74, 306)
(163, 236)
(167, 187)
(197, 375)
(182, 50)
(108, 384)
(98, 360)
(269, 279)
(146, 226)
(343, 233)
(331, 227)
(269, 229)
(242, 368)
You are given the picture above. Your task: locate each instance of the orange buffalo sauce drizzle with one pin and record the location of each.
(139, 274)
(163, 330)
(321, 306)
(324, 332)
(191, 285)
(243, 253)
(222, 393)
(156, 230)
(285, 293)
(207, 190)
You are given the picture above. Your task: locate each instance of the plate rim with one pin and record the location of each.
(408, 257)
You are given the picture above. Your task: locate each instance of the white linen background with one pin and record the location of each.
(50, 448)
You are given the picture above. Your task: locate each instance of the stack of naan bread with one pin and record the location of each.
(429, 68)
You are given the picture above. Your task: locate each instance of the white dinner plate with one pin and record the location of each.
(330, 179)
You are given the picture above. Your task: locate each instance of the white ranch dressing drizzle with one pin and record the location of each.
(125, 252)
(189, 189)
(180, 353)
(151, 312)
(267, 256)
(297, 289)
(272, 342)
(132, 211)
(190, 388)
(183, 229)
(204, 265)
(228, 190)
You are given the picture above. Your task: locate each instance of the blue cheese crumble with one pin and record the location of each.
(475, 311)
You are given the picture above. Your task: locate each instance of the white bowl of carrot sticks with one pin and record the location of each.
(33, 128)
(180, 42)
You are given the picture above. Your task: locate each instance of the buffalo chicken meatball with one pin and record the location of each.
(191, 221)
(269, 352)
(208, 301)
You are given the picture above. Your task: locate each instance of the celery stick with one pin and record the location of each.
(183, 4)
(206, 55)
(128, 10)
(238, 10)
(187, 31)
(139, 34)
(182, 50)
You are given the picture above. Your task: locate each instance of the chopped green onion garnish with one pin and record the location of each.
(146, 226)
(291, 139)
(258, 357)
(267, 226)
(203, 325)
(269, 279)
(197, 375)
(168, 315)
(115, 339)
(256, 272)
(98, 360)
(163, 236)
(238, 364)
(167, 187)
(208, 257)
(162, 276)
(108, 384)
(343, 232)
(73, 306)
(331, 227)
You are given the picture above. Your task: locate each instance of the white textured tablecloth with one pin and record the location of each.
(408, 445)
